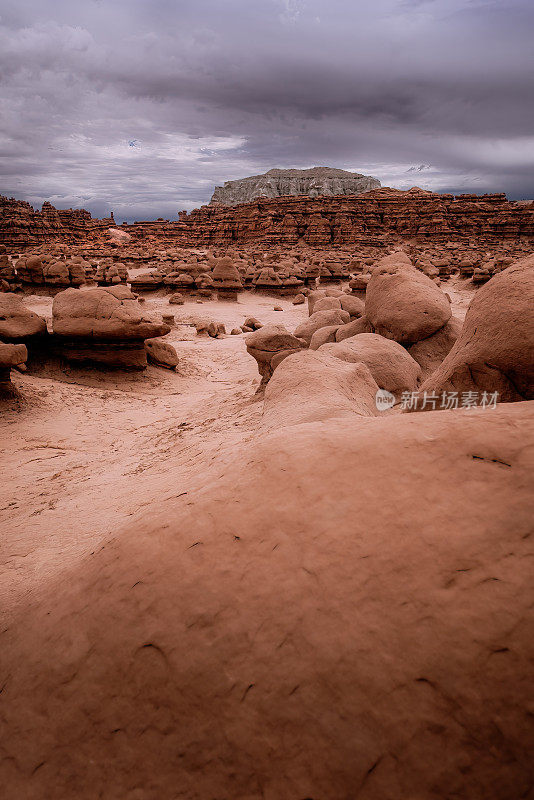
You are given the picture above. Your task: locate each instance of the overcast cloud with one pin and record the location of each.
(143, 106)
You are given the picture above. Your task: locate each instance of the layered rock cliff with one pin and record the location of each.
(22, 226)
(378, 217)
(315, 182)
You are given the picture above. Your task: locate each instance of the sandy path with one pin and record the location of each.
(79, 460)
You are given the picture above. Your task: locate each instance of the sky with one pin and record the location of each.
(144, 106)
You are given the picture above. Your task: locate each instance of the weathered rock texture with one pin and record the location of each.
(17, 323)
(314, 386)
(315, 182)
(343, 613)
(161, 353)
(103, 326)
(11, 355)
(402, 303)
(429, 353)
(389, 363)
(368, 218)
(21, 225)
(495, 349)
(266, 343)
(320, 319)
(226, 279)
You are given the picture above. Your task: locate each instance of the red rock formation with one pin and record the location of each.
(103, 326)
(379, 214)
(376, 218)
(21, 226)
(11, 356)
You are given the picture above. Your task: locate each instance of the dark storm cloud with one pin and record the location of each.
(210, 90)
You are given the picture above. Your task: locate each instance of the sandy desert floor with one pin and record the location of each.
(88, 450)
(208, 595)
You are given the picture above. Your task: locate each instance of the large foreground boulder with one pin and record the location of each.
(495, 349)
(389, 363)
(403, 304)
(103, 326)
(345, 611)
(311, 386)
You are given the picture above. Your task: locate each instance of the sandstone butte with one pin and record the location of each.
(314, 182)
(378, 217)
